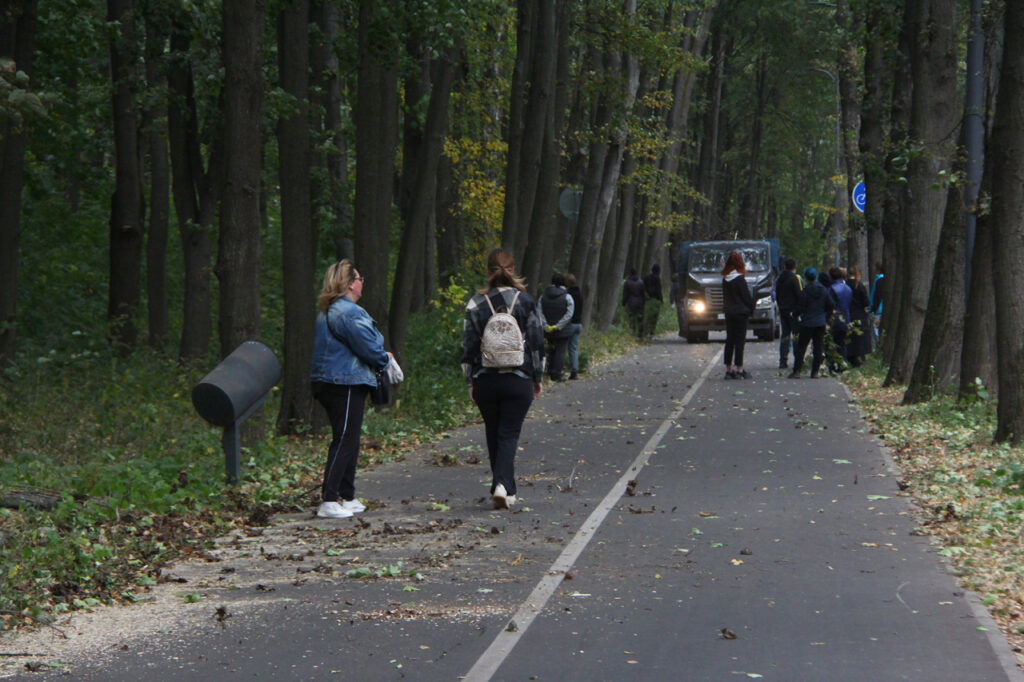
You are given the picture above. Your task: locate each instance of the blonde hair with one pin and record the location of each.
(337, 281)
(501, 271)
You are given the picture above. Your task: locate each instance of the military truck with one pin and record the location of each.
(699, 304)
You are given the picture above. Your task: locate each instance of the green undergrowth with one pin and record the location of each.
(970, 490)
(139, 478)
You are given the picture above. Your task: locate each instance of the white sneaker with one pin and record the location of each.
(353, 505)
(502, 500)
(332, 510)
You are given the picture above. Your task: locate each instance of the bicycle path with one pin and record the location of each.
(672, 526)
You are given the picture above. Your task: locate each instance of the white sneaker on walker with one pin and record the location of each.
(353, 505)
(502, 500)
(332, 510)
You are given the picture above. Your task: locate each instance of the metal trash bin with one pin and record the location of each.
(232, 391)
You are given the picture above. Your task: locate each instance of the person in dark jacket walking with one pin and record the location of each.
(633, 301)
(738, 305)
(575, 324)
(816, 303)
(652, 306)
(787, 295)
(503, 395)
(557, 307)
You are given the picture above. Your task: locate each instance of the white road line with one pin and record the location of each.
(502, 646)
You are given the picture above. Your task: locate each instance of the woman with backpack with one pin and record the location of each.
(503, 362)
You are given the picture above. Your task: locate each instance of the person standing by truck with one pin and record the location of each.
(652, 304)
(738, 306)
(787, 295)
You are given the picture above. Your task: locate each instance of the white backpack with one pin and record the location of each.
(502, 342)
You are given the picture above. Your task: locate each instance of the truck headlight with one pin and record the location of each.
(695, 305)
(764, 303)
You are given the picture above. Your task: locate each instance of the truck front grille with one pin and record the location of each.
(714, 294)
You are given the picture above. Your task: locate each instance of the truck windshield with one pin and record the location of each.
(713, 259)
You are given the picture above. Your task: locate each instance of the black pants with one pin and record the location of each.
(503, 401)
(345, 406)
(556, 355)
(789, 329)
(808, 334)
(735, 338)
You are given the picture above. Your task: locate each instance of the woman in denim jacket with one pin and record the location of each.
(347, 352)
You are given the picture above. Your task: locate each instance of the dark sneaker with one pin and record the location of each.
(794, 374)
(743, 375)
(730, 375)
(783, 364)
(573, 376)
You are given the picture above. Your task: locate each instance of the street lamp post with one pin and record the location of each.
(840, 198)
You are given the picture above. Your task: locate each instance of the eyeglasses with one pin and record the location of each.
(358, 279)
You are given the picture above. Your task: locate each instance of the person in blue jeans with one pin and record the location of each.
(575, 325)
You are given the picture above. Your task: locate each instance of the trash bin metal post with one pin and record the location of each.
(232, 391)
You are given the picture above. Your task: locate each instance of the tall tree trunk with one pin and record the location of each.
(609, 289)
(376, 138)
(159, 188)
(938, 359)
(195, 197)
(298, 238)
(980, 357)
(238, 252)
(1007, 147)
(933, 118)
(17, 42)
(526, 28)
(878, 31)
(126, 232)
(539, 259)
(421, 204)
(847, 67)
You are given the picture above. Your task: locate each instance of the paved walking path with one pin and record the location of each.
(673, 526)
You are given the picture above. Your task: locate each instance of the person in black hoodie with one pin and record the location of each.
(652, 306)
(816, 304)
(787, 295)
(738, 305)
(557, 306)
(633, 300)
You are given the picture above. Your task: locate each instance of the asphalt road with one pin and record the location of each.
(673, 526)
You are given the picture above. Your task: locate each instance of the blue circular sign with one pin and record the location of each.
(860, 196)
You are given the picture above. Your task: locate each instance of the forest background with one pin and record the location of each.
(176, 175)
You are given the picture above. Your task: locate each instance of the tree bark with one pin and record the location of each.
(938, 358)
(376, 138)
(126, 230)
(421, 205)
(159, 189)
(298, 237)
(878, 31)
(526, 13)
(195, 196)
(933, 118)
(17, 43)
(239, 252)
(980, 355)
(1007, 148)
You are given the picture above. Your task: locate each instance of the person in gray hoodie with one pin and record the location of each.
(557, 306)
